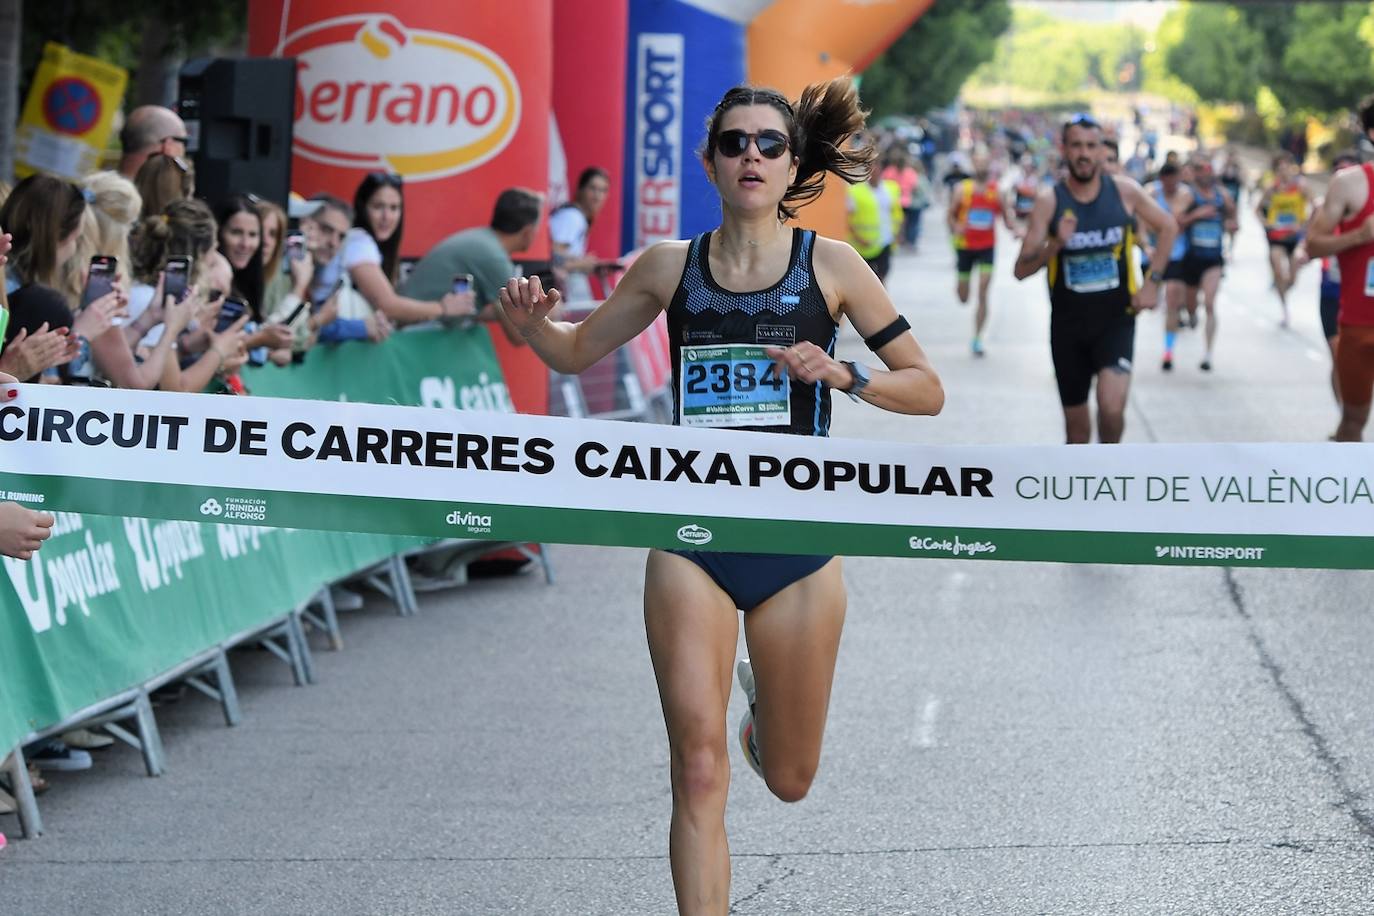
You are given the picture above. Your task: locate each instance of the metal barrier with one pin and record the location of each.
(632, 383)
(283, 637)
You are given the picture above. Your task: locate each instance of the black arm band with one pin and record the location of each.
(887, 334)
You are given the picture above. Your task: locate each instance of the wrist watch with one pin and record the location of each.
(859, 372)
(1156, 277)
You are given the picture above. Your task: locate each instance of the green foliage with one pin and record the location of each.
(926, 67)
(113, 31)
(1219, 54)
(1057, 57)
(1308, 80)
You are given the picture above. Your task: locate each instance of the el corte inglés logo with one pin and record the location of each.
(372, 94)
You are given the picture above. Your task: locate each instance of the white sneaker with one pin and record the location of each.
(83, 739)
(745, 673)
(344, 600)
(57, 756)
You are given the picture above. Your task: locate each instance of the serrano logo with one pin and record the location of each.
(694, 534)
(372, 94)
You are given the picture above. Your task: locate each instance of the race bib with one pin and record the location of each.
(1206, 235)
(1091, 273)
(980, 219)
(1286, 220)
(732, 385)
(1369, 278)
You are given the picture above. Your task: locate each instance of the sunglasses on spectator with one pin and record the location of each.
(389, 178)
(182, 140)
(734, 143)
(180, 163)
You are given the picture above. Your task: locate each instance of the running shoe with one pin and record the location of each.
(57, 756)
(745, 673)
(1168, 365)
(977, 346)
(1206, 365)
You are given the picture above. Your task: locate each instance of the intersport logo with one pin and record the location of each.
(372, 94)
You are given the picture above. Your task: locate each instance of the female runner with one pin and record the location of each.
(744, 284)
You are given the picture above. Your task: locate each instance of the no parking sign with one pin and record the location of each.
(68, 114)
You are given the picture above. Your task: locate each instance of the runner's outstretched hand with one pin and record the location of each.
(526, 304)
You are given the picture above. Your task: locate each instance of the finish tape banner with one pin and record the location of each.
(478, 474)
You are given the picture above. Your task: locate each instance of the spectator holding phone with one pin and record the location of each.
(371, 255)
(240, 241)
(568, 228)
(485, 253)
(158, 314)
(340, 312)
(44, 217)
(163, 179)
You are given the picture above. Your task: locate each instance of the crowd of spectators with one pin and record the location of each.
(127, 279)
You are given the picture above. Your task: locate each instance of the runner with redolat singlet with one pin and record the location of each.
(1283, 210)
(753, 313)
(1344, 227)
(1083, 229)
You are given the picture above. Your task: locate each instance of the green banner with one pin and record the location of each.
(110, 602)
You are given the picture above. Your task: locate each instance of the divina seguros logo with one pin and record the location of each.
(469, 521)
(372, 94)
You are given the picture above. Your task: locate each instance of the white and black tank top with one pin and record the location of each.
(721, 376)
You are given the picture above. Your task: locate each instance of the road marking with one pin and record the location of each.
(924, 735)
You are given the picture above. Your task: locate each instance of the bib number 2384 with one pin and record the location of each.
(732, 385)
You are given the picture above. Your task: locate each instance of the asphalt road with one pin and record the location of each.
(1005, 738)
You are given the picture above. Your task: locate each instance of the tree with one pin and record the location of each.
(11, 17)
(926, 67)
(1059, 57)
(1219, 54)
(146, 38)
(1308, 80)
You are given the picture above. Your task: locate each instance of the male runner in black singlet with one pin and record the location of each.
(1083, 229)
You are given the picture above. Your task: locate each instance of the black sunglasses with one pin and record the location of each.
(770, 143)
(390, 178)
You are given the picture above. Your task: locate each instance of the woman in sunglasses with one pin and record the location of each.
(753, 281)
(371, 255)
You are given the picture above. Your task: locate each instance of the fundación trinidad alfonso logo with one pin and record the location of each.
(372, 94)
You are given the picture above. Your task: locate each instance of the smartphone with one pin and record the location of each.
(462, 283)
(295, 313)
(175, 277)
(100, 280)
(232, 310)
(295, 246)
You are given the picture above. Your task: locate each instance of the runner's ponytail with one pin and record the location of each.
(827, 118)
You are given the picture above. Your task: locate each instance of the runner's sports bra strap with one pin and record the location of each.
(887, 334)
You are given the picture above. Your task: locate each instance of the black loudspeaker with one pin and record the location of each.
(238, 114)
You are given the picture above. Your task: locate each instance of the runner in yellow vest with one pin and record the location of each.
(1283, 210)
(875, 217)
